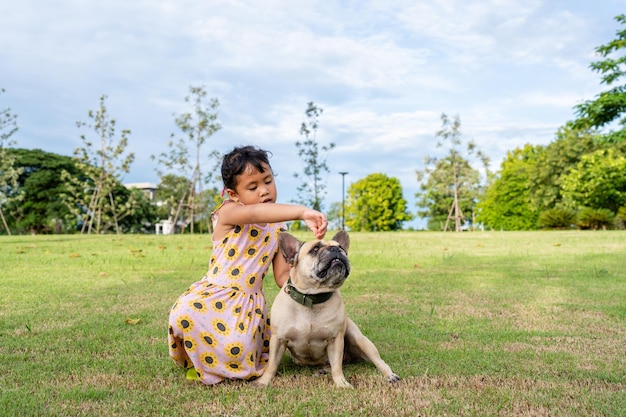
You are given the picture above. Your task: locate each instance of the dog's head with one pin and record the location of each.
(318, 263)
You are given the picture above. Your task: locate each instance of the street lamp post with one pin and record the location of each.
(343, 200)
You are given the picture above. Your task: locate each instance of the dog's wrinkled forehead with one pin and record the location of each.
(313, 248)
(293, 249)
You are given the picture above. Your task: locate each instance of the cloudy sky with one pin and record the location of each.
(383, 71)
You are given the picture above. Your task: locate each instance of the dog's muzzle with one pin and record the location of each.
(333, 265)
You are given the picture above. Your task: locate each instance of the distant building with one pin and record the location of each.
(147, 188)
(164, 227)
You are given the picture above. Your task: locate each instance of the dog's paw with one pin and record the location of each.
(260, 383)
(343, 383)
(393, 378)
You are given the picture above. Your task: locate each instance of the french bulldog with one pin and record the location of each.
(308, 316)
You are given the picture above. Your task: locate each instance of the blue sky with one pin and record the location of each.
(383, 71)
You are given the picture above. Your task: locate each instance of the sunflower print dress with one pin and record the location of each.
(220, 325)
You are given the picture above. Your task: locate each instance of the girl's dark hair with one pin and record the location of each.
(235, 162)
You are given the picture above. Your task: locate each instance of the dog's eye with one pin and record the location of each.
(315, 249)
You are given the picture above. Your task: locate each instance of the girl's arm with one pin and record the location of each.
(281, 269)
(234, 214)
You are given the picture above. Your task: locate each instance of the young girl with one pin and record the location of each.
(219, 328)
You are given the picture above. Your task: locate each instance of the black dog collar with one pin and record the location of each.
(306, 299)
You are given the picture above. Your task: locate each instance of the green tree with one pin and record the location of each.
(375, 203)
(9, 173)
(184, 157)
(507, 203)
(437, 196)
(143, 216)
(312, 189)
(598, 181)
(171, 193)
(450, 180)
(554, 161)
(531, 180)
(93, 198)
(608, 108)
(41, 183)
(333, 214)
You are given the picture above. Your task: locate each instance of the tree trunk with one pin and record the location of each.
(4, 222)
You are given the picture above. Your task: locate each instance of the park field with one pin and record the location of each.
(475, 324)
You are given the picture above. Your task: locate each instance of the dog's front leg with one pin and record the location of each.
(365, 349)
(276, 352)
(335, 358)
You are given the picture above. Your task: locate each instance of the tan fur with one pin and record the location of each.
(322, 333)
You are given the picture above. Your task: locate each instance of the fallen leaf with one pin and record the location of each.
(133, 321)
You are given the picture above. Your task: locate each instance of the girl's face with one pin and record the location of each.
(254, 186)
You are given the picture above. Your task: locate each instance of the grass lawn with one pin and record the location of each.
(496, 323)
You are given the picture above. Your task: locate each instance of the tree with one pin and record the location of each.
(531, 180)
(554, 161)
(93, 198)
(183, 157)
(507, 203)
(172, 189)
(437, 197)
(40, 183)
(312, 188)
(143, 216)
(375, 203)
(597, 182)
(608, 108)
(451, 177)
(334, 215)
(9, 173)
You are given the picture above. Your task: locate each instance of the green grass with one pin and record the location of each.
(474, 323)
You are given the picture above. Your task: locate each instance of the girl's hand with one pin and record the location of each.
(315, 221)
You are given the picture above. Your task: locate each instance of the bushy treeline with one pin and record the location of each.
(578, 180)
(43, 205)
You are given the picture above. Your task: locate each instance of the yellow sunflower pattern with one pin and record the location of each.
(251, 281)
(220, 326)
(231, 253)
(251, 252)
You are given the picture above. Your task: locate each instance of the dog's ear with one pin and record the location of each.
(343, 239)
(289, 247)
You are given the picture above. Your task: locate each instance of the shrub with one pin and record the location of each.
(557, 218)
(620, 219)
(594, 219)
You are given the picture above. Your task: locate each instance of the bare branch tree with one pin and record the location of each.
(312, 188)
(183, 157)
(92, 198)
(8, 172)
(450, 133)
